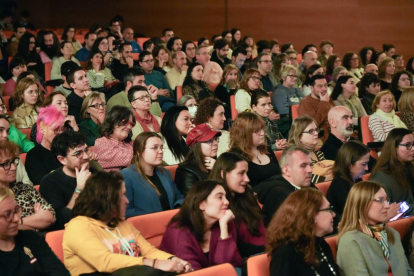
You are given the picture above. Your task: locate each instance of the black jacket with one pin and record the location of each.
(187, 175)
(215, 58)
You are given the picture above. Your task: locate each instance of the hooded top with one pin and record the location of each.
(90, 245)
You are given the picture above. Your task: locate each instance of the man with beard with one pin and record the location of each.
(62, 187)
(219, 55)
(296, 166)
(238, 58)
(318, 103)
(125, 61)
(177, 74)
(49, 44)
(78, 81)
(264, 65)
(83, 54)
(11, 49)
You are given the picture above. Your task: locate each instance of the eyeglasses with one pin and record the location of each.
(96, 106)
(258, 131)
(79, 154)
(329, 209)
(58, 130)
(32, 93)
(8, 216)
(142, 98)
(191, 105)
(156, 148)
(212, 140)
(404, 79)
(407, 145)
(7, 165)
(124, 123)
(354, 58)
(148, 61)
(382, 200)
(256, 78)
(312, 131)
(292, 76)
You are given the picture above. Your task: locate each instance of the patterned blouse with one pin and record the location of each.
(318, 178)
(407, 116)
(113, 155)
(26, 197)
(25, 116)
(97, 80)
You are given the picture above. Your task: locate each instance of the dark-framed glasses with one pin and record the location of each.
(7, 165)
(329, 209)
(382, 200)
(8, 216)
(142, 98)
(97, 105)
(79, 154)
(407, 145)
(312, 131)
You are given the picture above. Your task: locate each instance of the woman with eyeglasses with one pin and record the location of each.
(337, 73)
(40, 160)
(400, 81)
(351, 163)
(395, 170)
(28, 100)
(93, 115)
(114, 148)
(247, 138)
(366, 245)
(149, 187)
(194, 85)
(296, 233)
(333, 62)
(384, 119)
(23, 252)
(351, 62)
(286, 95)
(140, 100)
(249, 82)
(203, 143)
(37, 213)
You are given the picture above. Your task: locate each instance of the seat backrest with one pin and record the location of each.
(49, 90)
(258, 265)
(172, 169)
(153, 232)
(36, 187)
(26, 131)
(295, 111)
(323, 187)
(270, 93)
(48, 70)
(23, 157)
(55, 239)
(278, 154)
(135, 56)
(6, 102)
(366, 177)
(332, 243)
(223, 269)
(179, 91)
(234, 111)
(367, 134)
(213, 86)
(401, 225)
(141, 41)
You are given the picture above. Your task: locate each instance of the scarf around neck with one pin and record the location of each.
(391, 118)
(148, 120)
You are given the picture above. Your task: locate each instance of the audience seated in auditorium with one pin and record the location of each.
(65, 69)
(394, 169)
(100, 77)
(203, 231)
(78, 81)
(386, 70)
(203, 143)
(65, 54)
(332, 63)
(23, 252)
(326, 52)
(344, 94)
(114, 148)
(212, 71)
(262, 106)
(250, 82)
(194, 85)
(11, 48)
(405, 106)
(400, 81)
(83, 53)
(62, 186)
(49, 45)
(140, 99)
(27, 100)
(174, 128)
(264, 65)
(98, 219)
(93, 115)
(128, 37)
(176, 75)
(314, 70)
(384, 119)
(219, 55)
(350, 164)
(125, 61)
(27, 51)
(337, 73)
(150, 188)
(189, 48)
(365, 242)
(69, 35)
(304, 133)
(101, 44)
(174, 44)
(369, 87)
(351, 62)
(231, 169)
(297, 246)
(162, 59)
(228, 86)
(17, 66)
(247, 138)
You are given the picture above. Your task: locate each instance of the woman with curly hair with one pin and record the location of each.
(297, 246)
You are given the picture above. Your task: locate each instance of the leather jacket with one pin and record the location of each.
(188, 174)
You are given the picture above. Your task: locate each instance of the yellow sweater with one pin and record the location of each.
(89, 247)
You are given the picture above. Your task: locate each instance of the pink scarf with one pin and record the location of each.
(144, 122)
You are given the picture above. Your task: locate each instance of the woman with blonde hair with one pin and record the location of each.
(163, 59)
(366, 245)
(280, 60)
(295, 236)
(386, 70)
(250, 81)
(405, 105)
(247, 138)
(228, 86)
(93, 115)
(28, 100)
(305, 134)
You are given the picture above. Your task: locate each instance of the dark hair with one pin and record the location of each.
(190, 216)
(409, 66)
(366, 81)
(66, 141)
(65, 33)
(117, 116)
(71, 74)
(206, 110)
(115, 19)
(220, 44)
(95, 47)
(375, 57)
(131, 73)
(94, 28)
(23, 47)
(314, 78)
(143, 54)
(201, 40)
(24, 75)
(386, 47)
(310, 71)
(225, 32)
(346, 60)
(285, 47)
(330, 64)
(186, 43)
(49, 98)
(16, 61)
(88, 34)
(306, 48)
(188, 78)
(121, 47)
(18, 26)
(134, 89)
(396, 79)
(363, 54)
(169, 131)
(348, 154)
(338, 87)
(171, 41)
(214, 36)
(237, 51)
(262, 46)
(147, 44)
(256, 95)
(89, 65)
(395, 56)
(166, 30)
(100, 199)
(62, 45)
(244, 206)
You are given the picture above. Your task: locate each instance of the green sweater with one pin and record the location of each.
(122, 99)
(90, 130)
(20, 139)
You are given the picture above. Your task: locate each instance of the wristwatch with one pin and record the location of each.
(77, 191)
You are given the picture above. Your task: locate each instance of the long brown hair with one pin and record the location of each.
(389, 163)
(241, 134)
(297, 128)
(295, 223)
(21, 86)
(246, 77)
(138, 149)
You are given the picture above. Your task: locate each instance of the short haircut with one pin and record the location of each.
(48, 116)
(147, 44)
(306, 48)
(87, 101)
(143, 54)
(113, 20)
(121, 47)
(378, 97)
(166, 30)
(131, 73)
(285, 47)
(18, 26)
(314, 78)
(220, 44)
(66, 141)
(237, 51)
(67, 66)
(256, 95)
(134, 89)
(386, 47)
(286, 69)
(366, 81)
(262, 46)
(287, 155)
(16, 61)
(290, 51)
(259, 57)
(117, 116)
(88, 34)
(71, 74)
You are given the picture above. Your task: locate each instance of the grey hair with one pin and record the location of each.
(183, 100)
(287, 155)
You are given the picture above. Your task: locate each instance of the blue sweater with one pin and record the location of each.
(141, 195)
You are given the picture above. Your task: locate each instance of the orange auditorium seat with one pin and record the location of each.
(213, 86)
(49, 89)
(223, 269)
(234, 111)
(23, 156)
(37, 187)
(172, 169)
(9, 59)
(278, 154)
(83, 64)
(295, 111)
(332, 243)
(6, 102)
(367, 135)
(323, 187)
(270, 94)
(80, 38)
(48, 70)
(135, 56)
(179, 91)
(258, 265)
(401, 225)
(26, 131)
(55, 240)
(153, 232)
(141, 41)
(366, 177)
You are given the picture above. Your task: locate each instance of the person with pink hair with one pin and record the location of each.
(40, 160)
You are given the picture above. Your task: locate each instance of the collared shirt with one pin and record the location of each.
(296, 187)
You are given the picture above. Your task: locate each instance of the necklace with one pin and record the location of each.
(257, 156)
(324, 258)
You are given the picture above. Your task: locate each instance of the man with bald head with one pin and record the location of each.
(128, 34)
(309, 58)
(371, 68)
(176, 75)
